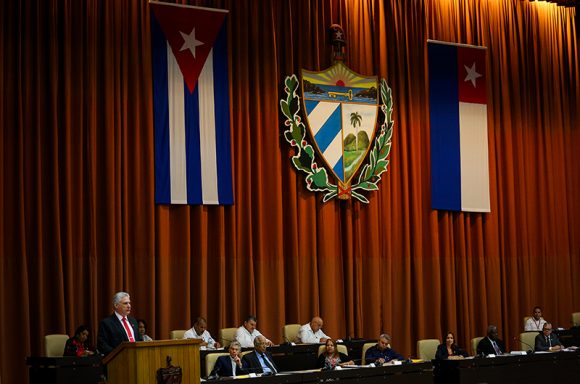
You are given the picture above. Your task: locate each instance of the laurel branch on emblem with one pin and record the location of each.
(305, 160)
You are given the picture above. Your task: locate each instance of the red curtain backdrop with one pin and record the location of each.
(78, 220)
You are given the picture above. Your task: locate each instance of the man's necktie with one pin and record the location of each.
(549, 340)
(496, 348)
(267, 361)
(128, 330)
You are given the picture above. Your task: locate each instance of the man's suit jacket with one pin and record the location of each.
(252, 363)
(112, 333)
(486, 348)
(223, 367)
(541, 344)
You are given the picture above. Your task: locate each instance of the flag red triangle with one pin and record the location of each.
(191, 33)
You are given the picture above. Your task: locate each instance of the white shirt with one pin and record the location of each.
(534, 325)
(205, 336)
(307, 336)
(245, 338)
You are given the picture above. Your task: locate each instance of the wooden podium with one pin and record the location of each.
(137, 363)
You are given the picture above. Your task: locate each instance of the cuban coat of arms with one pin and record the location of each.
(341, 111)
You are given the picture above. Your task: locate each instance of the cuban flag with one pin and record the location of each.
(191, 105)
(458, 116)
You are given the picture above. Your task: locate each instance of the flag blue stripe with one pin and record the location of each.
(329, 130)
(192, 147)
(161, 114)
(222, 118)
(444, 117)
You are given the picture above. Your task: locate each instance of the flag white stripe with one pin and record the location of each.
(320, 114)
(474, 157)
(178, 163)
(207, 140)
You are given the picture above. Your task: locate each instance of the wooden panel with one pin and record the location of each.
(138, 362)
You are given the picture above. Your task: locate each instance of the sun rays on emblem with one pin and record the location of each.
(341, 76)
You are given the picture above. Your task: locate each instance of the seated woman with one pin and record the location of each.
(143, 330)
(331, 358)
(77, 345)
(449, 350)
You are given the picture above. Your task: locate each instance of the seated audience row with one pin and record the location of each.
(119, 327)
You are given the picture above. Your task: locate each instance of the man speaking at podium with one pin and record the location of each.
(118, 327)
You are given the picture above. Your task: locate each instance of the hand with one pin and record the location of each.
(380, 360)
(217, 345)
(237, 360)
(323, 340)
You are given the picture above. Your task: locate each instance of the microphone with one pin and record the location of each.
(286, 341)
(529, 351)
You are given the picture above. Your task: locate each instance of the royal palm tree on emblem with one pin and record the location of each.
(355, 119)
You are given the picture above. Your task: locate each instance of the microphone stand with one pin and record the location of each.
(529, 351)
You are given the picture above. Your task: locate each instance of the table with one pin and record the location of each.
(65, 369)
(417, 373)
(556, 367)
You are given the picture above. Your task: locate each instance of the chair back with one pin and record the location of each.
(54, 344)
(576, 319)
(528, 338)
(364, 351)
(210, 360)
(474, 343)
(427, 348)
(177, 334)
(244, 353)
(340, 347)
(290, 333)
(227, 335)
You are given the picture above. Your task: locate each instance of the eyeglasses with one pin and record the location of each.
(547, 329)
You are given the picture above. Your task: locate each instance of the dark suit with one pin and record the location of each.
(542, 344)
(486, 348)
(112, 333)
(442, 353)
(252, 363)
(223, 367)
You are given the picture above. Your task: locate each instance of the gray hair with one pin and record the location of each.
(236, 344)
(118, 297)
(259, 340)
(386, 336)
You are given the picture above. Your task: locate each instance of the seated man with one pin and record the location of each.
(382, 353)
(536, 322)
(119, 327)
(247, 333)
(491, 345)
(311, 333)
(199, 331)
(260, 360)
(545, 341)
(229, 365)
